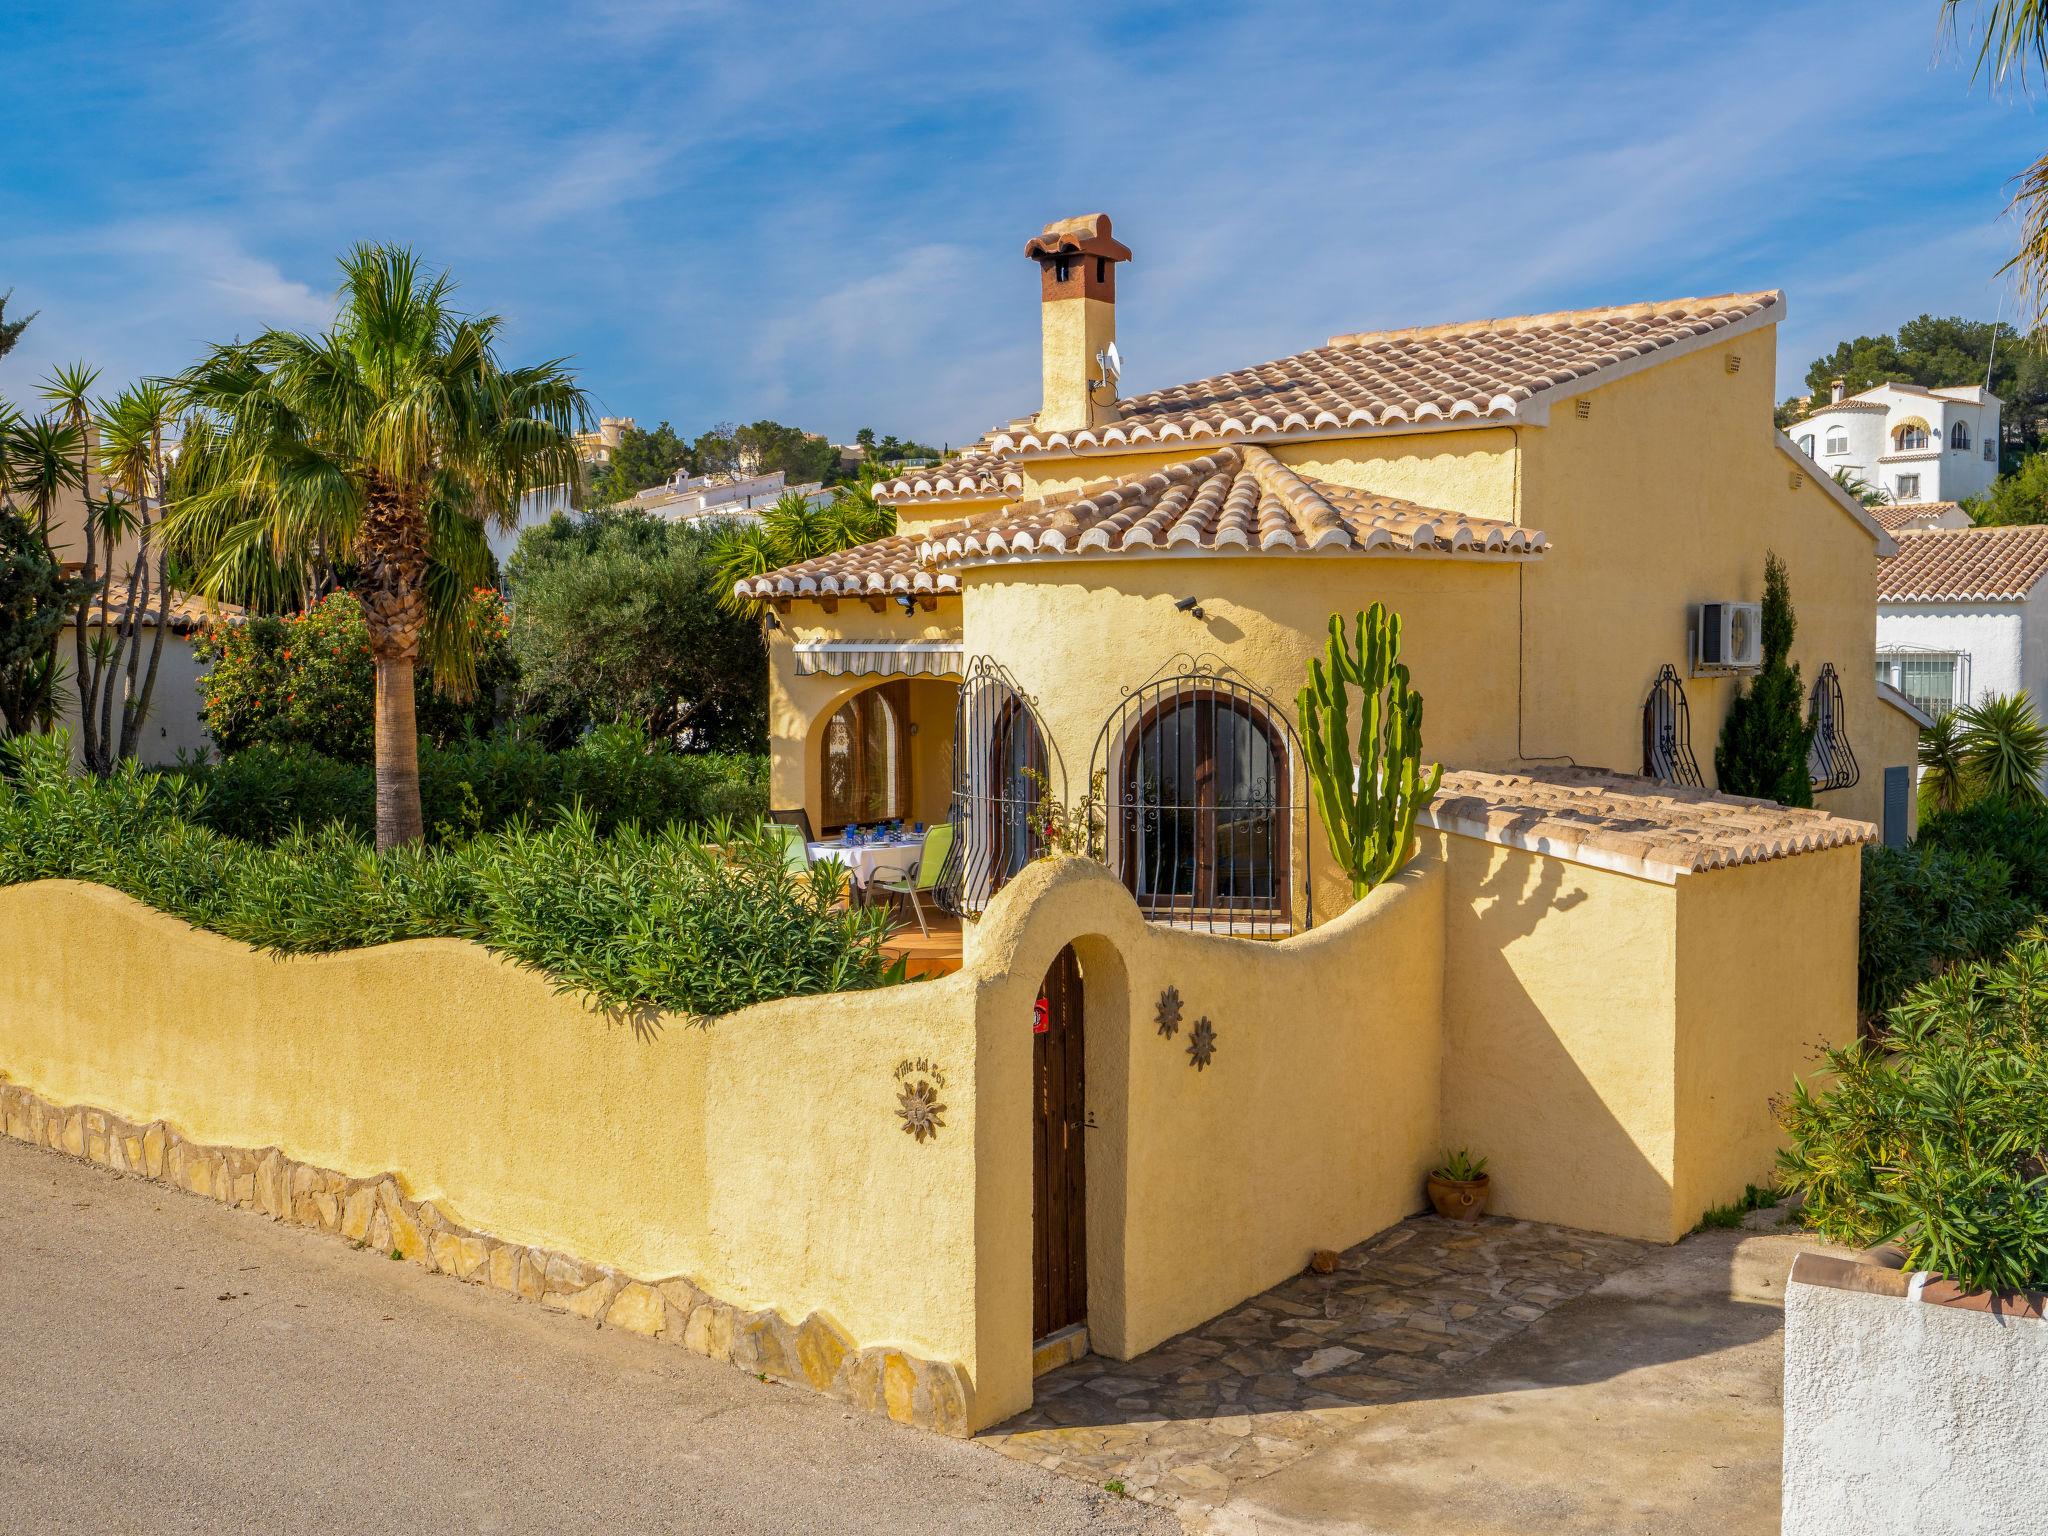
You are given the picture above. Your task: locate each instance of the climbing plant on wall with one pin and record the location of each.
(1368, 798)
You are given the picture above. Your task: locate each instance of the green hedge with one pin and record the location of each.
(1936, 1137)
(636, 918)
(262, 793)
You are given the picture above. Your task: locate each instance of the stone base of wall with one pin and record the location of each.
(374, 1213)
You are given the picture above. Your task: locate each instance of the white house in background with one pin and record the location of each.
(1962, 613)
(1914, 444)
(687, 498)
(1919, 516)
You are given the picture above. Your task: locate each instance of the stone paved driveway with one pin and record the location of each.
(1270, 1381)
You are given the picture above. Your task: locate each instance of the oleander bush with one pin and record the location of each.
(1935, 1136)
(698, 921)
(484, 784)
(1925, 908)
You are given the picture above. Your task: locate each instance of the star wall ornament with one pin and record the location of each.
(921, 1113)
(1202, 1043)
(1169, 1012)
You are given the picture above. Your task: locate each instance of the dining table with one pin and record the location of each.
(866, 862)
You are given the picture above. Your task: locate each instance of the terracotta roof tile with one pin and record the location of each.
(883, 568)
(187, 613)
(1898, 516)
(972, 475)
(1232, 501)
(1634, 825)
(1480, 371)
(1964, 565)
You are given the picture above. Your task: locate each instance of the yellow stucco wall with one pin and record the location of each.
(1311, 1128)
(1078, 635)
(798, 706)
(1766, 980)
(1612, 1044)
(1559, 1036)
(760, 1155)
(1668, 494)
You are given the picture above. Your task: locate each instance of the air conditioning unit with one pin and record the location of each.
(1730, 636)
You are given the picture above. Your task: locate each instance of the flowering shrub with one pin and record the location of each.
(307, 680)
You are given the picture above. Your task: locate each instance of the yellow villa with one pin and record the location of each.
(1164, 1075)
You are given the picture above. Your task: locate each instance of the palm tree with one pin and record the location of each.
(382, 445)
(793, 530)
(1866, 493)
(132, 433)
(2004, 747)
(2015, 41)
(1945, 783)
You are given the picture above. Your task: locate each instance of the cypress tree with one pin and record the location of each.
(1766, 738)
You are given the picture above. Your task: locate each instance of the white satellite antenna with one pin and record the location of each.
(1111, 362)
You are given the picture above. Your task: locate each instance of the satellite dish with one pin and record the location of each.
(1112, 362)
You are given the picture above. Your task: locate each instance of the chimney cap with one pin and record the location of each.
(1086, 236)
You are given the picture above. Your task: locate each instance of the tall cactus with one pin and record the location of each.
(1368, 803)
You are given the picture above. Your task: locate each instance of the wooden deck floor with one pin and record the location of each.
(936, 954)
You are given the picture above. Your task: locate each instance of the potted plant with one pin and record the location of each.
(1458, 1185)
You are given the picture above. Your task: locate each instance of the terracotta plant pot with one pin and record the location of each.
(1458, 1199)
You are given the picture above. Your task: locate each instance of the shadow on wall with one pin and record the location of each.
(1559, 1038)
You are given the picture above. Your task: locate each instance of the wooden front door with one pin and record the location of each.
(1059, 1228)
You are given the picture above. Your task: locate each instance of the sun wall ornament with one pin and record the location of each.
(1202, 1043)
(918, 1105)
(1169, 1012)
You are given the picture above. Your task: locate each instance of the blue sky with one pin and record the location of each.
(817, 212)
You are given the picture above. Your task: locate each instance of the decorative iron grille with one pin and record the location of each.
(1830, 763)
(1667, 733)
(1204, 813)
(1003, 768)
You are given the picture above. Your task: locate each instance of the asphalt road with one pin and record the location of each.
(170, 1365)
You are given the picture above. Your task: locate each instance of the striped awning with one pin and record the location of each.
(869, 658)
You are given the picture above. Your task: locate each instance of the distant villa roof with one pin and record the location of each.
(1474, 373)
(1964, 565)
(1895, 516)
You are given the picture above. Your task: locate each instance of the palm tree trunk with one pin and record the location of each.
(398, 755)
(392, 587)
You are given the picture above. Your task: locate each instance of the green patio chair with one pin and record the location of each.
(924, 874)
(796, 853)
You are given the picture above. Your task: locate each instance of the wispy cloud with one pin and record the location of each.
(816, 211)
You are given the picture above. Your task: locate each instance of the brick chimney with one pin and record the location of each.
(1835, 388)
(1077, 262)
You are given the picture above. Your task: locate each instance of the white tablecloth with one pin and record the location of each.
(887, 861)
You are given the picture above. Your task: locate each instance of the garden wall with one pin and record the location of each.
(1910, 1409)
(762, 1156)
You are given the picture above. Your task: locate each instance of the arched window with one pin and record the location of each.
(1004, 774)
(1203, 815)
(1838, 442)
(1959, 435)
(867, 757)
(1910, 438)
(1806, 445)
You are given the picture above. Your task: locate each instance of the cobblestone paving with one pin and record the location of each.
(1270, 1381)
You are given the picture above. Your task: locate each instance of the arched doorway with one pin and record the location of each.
(1059, 1208)
(865, 757)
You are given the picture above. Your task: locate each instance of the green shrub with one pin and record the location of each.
(2014, 832)
(1937, 1139)
(1927, 907)
(306, 681)
(483, 784)
(635, 918)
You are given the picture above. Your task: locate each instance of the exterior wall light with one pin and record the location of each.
(909, 603)
(1191, 605)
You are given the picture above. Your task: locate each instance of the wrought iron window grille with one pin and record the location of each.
(1205, 813)
(1004, 771)
(1667, 733)
(1831, 764)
